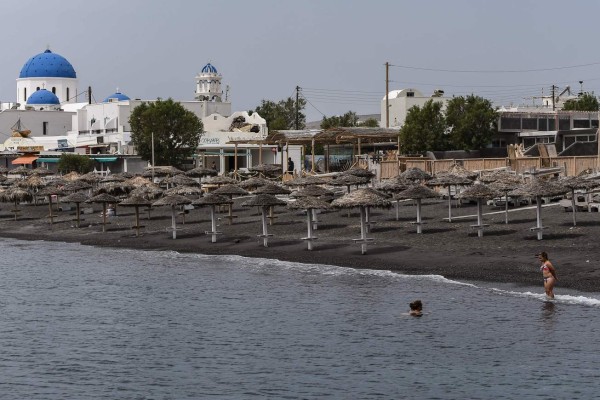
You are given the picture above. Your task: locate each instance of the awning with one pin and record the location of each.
(24, 160)
(105, 159)
(48, 160)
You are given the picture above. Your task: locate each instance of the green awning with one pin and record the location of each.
(47, 160)
(105, 159)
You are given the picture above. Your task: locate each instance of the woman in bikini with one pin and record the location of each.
(549, 274)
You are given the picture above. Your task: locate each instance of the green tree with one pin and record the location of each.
(424, 129)
(585, 102)
(471, 121)
(71, 162)
(282, 115)
(348, 119)
(176, 131)
(370, 123)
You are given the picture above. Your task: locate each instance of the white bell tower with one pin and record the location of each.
(208, 84)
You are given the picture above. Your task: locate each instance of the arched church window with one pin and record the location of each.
(68, 97)
(24, 94)
(54, 89)
(37, 88)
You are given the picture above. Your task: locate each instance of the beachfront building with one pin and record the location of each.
(400, 101)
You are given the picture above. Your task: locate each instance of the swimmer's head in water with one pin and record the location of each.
(416, 305)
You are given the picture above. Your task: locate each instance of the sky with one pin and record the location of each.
(510, 52)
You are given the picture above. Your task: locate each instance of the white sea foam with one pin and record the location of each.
(559, 298)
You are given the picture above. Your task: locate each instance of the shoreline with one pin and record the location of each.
(505, 253)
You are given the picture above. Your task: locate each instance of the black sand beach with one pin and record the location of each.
(506, 253)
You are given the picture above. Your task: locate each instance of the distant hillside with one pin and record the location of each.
(361, 118)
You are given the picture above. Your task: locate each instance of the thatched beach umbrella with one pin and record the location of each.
(479, 192)
(312, 191)
(305, 181)
(173, 200)
(161, 171)
(448, 180)
(273, 190)
(364, 199)
(394, 185)
(3, 170)
(253, 183)
(268, 169)
(103, 198)
(504, 184)
(577, 183)
(310, 204)
(138, 181)
(90, 178)
(459, 170)
(32, 182)
(360, 172)
(49, 192)
(77, 198)
(71, 176)
(22, 170)
(184, 191)
(539, 188)
(16, 194)
(493, 176)
(137, 202)
(417, 193)
(348, 180)
(113, 178)
(76, 186)
(220, 181)
(230, 190)
(200, 172)
(179, 180)
(415, 174)
(264, 201)
(212, 200)
(41, 171)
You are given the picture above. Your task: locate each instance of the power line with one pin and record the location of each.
(491, 71)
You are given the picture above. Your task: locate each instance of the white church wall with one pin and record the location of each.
(57, 122)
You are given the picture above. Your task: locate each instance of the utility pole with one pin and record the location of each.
(553, 98)
(89, 95)
(387, 91)
(297, 108)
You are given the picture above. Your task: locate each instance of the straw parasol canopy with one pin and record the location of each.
(16, 194)
(180, 180)
(212, 199)
(90, 177)
(271, 189)
(22, 170)
(360, 172)
(490, 177)
(393, 185)
(113, 178)
(184, 190)
(151, 191)
(161, 171)
(77, 198)
(267, 169)
(539, 188)
(3, 170)
(137, 202)
(71, 176)
(220, 180)
(230, 190)
(349, 180)
(415, 174)
(32, 182)
(103, 198)
(254, 183)
(42, 171)
(305, 181)
(365, 197)
(76, 186)
(459, 170)
(199, 172)
(114, 188)
(138, 181)
(312, 191)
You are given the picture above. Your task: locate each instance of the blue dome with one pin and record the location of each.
(209, 68)
(47, 65)
(118, 96)
(43, 96)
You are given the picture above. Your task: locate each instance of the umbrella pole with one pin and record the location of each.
(397, 210)
(449, 205)
(77, 206)
(137, 221)
(173, 222)
(310, 227)
(213, 221)
(363, 231)
(348, 187)
(271, 215)
(479, 218)
(263, 212)
(539, 217)
(230, 214)
(367, 223)
(573, 206)
(50, 208)
(15, 210)
(315, 221)
(419, 216)
(104, 217)
(506, 207)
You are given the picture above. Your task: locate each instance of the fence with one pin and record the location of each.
(572, 165)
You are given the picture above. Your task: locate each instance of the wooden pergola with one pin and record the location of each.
(356, 136)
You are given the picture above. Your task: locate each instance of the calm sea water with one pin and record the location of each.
(80, 322)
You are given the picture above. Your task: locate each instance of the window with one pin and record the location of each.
(54, 89)
(68, 97)
(37, 88)
(542, 124)
(569, 140)
(498, 143)
(564, 124)
(410, 94)
(529, 123)
(581, 123)
(510, 123)
(44, 128)
(551, 124)
(24, 94)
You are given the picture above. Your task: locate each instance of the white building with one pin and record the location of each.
(400, 101)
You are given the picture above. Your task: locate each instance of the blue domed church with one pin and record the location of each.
(50, 72)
